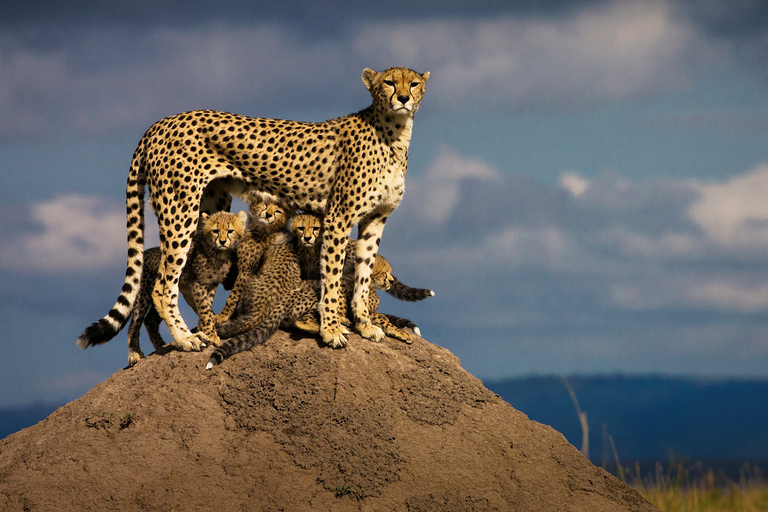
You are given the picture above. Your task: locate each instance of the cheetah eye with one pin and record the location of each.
(389, 83)
(414, 84)
(230, 231)
(215, 231)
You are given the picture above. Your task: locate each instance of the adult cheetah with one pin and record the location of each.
(350, 169)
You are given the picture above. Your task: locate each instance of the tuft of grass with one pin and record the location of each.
(127, 420)
(345, 490)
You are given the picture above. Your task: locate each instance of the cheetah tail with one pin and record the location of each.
(113, 322)
(255, 336)
(404, 292)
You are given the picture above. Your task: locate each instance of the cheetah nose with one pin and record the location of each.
(403, 99)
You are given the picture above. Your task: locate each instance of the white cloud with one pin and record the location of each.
(77, 233)
(574, 183)
(734, 213)
(440, 186)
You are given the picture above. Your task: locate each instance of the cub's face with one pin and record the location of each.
(224, 230)
(273, 215)
(396, 90)
(307, 228)
(381, 275)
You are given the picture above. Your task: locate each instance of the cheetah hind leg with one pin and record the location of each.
(183, 339)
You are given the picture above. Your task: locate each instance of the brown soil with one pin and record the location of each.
(294, 426)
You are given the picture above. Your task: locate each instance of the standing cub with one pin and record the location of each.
(211, 258)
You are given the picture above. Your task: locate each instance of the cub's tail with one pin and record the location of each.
(404, 292)
(403, 322)
(255, 336)
(107, 327)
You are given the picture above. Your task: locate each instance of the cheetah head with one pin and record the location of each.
(396, 90)
(223, 230)
(268, 214)
(307, 228)
(381, 275)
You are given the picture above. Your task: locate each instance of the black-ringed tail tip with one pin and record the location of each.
(213, 361)
(416, 330)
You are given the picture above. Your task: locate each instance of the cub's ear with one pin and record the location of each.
(204, 216)
(242, 216)
(425, 76)
(368, 76)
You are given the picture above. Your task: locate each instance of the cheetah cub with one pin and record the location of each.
(211, 259)
(307, 233)
(265, 220)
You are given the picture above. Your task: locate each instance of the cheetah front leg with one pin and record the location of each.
(335, 236)
(206, 320)
(370, 231)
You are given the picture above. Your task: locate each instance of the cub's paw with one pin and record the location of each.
(308, 325)
(214, 339)
(222, 318)
(334, 336)
(401, 335)
(371, 332)
(192, 343)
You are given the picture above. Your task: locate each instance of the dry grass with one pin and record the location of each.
(677, 490)
(685, 487)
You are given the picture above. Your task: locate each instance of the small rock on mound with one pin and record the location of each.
(294, 426)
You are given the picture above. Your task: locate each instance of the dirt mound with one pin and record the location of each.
(294, 426)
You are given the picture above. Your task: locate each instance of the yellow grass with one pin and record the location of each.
(676, 491)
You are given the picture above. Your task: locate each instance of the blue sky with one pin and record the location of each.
(586, 190)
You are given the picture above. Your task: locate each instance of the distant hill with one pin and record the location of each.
(651, 418)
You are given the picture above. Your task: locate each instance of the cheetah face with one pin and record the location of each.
(381, 274)
(397, 90)
(382, 280)
(223, 230)
(307, 229)
(268, 213)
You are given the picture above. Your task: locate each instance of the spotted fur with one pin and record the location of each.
(351, 169)
(211, 259)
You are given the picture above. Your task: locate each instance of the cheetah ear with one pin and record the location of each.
(425, 76)
(368, 76)
(204, 215)
(242, 216)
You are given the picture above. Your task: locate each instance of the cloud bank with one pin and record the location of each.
(123, 76)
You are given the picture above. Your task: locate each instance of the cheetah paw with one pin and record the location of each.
(334, 337)
(192, 343)
(134, 357)
(371, 332)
